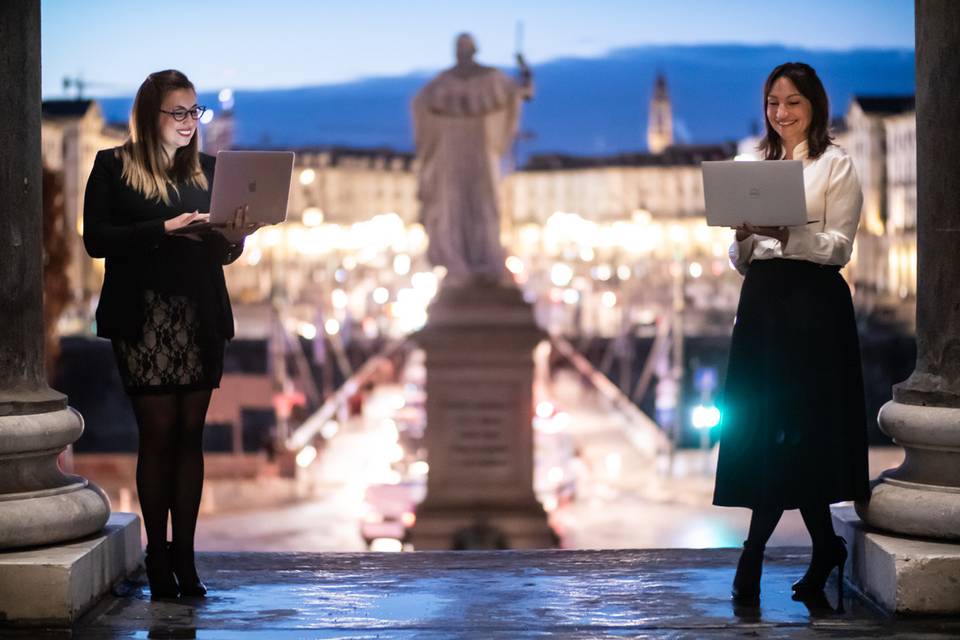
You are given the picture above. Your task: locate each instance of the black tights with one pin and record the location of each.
(815, 518)
(170, 464)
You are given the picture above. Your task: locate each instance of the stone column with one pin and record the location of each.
(479, 343)
(922, 496)
(38, 503)
(905, 552)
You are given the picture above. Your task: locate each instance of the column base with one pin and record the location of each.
(921, 497)
(76, 510)
(467, 529)
(53, 586)
(913, 509)
(39, 504)
(903, 575)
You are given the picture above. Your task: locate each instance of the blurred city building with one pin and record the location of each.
(72, 131)
(609, 248)
(880, 136)
(582, 231)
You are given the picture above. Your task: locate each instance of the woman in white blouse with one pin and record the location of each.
(794, 429)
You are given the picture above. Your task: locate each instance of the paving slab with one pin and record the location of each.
(677, 593)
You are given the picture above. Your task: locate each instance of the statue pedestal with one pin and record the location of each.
(479, 343)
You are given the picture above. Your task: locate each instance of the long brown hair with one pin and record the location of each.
(808, 84)
(143, 157)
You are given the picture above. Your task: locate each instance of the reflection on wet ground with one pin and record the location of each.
(495, 594)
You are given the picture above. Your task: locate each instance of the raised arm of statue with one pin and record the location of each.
(526, 78)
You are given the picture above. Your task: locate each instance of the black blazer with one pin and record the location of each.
(121, 225)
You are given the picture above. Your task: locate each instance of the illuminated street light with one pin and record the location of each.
(401, 264)
(307, 329)
(571, 296)
(514, 265)
(425, 282)
(225, 98)
(386, 545)
(330, 429)
(307, 176)
(312, 216)
(306, 456)
(561, 274)
(419, 469)
(545, 409)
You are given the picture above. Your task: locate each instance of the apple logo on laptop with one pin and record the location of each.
(754, 192)
(252, 187)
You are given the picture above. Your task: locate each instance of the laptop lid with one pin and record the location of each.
(258, 179)
(762, 193)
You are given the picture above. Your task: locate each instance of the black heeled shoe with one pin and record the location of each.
(163, 583)
(185, 569)
(746, 582)
(821, 566)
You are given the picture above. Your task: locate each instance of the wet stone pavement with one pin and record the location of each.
(488, 594)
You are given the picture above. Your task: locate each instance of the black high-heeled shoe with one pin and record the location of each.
(822, 562)
(185, 568)
(746, 582)
(163, 583)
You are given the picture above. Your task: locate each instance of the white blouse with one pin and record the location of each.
(834, 199)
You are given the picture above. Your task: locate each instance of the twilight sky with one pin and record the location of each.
(114, 44)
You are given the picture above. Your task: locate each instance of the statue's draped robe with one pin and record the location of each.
(463, 127)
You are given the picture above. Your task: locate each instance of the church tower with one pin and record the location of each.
(660, 122)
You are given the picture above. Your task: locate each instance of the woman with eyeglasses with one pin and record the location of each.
(794, 427)
(164, 305)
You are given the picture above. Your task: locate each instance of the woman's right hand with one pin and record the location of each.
(183, 220)
(744, 231)
(239, 224)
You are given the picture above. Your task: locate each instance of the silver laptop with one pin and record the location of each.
(759, 193)
(258, 179)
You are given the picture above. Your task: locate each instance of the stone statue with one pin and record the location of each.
(465, 120)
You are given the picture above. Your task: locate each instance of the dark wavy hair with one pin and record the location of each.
(142, 155)
(805, 78)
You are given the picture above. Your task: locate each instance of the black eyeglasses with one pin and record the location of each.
(180, 114)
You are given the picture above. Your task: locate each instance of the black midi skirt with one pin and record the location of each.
(794, 425)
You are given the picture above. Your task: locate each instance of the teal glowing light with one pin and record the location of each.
(705, 416)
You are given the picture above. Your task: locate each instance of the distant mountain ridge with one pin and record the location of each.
(582, 105)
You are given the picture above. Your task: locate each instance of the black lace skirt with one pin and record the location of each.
(794, 426)
(174, 352)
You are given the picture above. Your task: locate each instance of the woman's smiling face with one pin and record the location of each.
(174, 134)
(789, 112)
